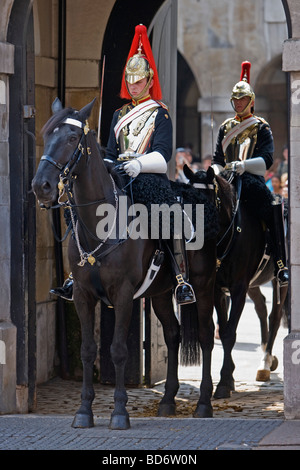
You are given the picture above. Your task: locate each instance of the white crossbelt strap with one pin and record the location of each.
(236, 131)
(133, 114)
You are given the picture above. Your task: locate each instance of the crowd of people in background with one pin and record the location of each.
(276, 176)
(184, 156)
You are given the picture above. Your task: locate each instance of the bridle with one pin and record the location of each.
(65, 187)
(67, 170)
(211, 187)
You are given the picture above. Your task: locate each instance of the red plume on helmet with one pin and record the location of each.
(245, 73)
(141, 38)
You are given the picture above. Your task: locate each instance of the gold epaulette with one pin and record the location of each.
(123, 110)
(262, 120)
(163, 105)
(226, 120)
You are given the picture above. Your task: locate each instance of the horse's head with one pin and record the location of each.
(202, 180)
(62, 148)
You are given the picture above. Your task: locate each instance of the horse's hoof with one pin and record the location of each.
(222, 391)
(120, 422)
(274, 363)
(82, 420)
(166, 410)
(203, 411)
(263, 375)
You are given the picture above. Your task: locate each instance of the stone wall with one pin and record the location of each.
(7, 329)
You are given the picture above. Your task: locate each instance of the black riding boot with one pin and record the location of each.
(278, 242)
(184, 293)
(66, 291)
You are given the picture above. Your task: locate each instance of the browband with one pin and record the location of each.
(74, 122)
(203, 186)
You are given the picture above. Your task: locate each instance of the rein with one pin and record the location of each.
(239, 188)
(230, 227)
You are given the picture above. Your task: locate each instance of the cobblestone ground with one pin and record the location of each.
(253, 401)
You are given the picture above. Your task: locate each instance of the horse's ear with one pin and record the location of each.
(56, 106)
(188, 172)
(85, 112)
(210, 173)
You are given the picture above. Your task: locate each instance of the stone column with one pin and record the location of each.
(8, 342)
(291, 63)
(214, 110)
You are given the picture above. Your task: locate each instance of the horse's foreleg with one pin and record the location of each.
(259, 301)
(163, 308)
(206, 338)
(269, 362)
(119, 353)
(222, 302)
(86, 313)
(228, 338)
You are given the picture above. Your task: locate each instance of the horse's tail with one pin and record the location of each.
(190, 351)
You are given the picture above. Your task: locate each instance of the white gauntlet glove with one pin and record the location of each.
(133, 167)
(152, 162)
(239, 167)
(256, 166)
(217, 168)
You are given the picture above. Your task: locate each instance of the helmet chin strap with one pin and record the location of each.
(143, 92)
(250, 104)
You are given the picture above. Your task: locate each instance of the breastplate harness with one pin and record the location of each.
(134, 129)
(240, 139)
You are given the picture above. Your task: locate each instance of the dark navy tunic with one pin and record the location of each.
(264, 146)
(161, 140)
(254, 190)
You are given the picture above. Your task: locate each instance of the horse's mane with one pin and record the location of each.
(227, 191)
(118, 178)
(57, 119)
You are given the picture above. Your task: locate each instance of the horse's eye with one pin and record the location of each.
(73, 138)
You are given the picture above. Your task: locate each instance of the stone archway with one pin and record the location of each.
(188, 126)
(271, 101)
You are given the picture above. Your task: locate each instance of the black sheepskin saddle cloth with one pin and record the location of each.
(255, 195)
(153, 191)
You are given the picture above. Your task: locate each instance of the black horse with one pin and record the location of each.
(243, 266)
(73, 162)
